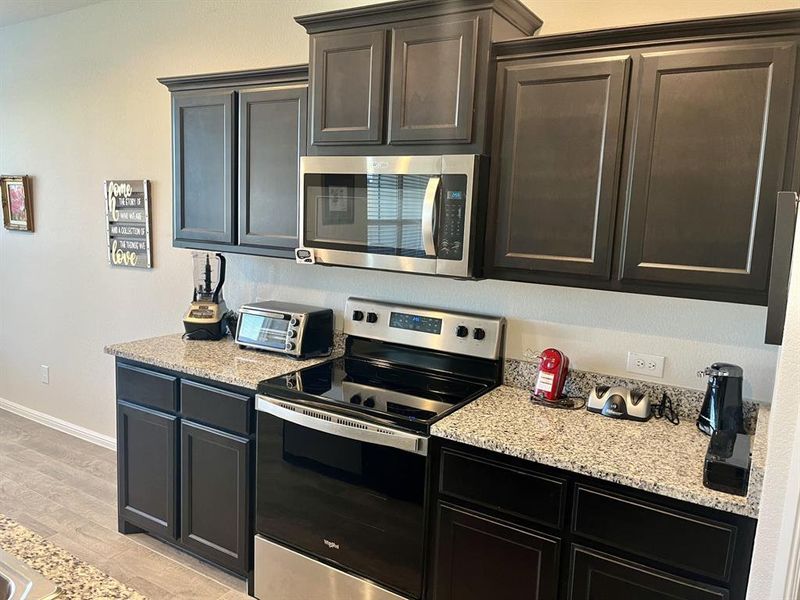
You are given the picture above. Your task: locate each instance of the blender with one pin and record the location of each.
(205, 319)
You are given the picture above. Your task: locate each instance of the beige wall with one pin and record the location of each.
(79, 104)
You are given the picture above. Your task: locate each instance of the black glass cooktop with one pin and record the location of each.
(407, 397)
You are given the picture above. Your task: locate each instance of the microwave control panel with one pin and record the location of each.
(452, 217)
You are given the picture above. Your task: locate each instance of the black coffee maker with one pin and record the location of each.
(722, 406)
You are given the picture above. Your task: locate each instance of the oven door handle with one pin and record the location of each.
(429, 216)
(342, 426)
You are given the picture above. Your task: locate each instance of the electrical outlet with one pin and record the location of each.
(44, 374)
(645, 364)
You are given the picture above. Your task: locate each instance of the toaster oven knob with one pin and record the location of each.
(372, 317)
(294, 322)
(358, 315)
(290, 346)
(479, 333)
(462, 331)
(291, 333)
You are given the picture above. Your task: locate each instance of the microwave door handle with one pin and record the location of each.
(429, 216)
(342, 426)
(782, 247)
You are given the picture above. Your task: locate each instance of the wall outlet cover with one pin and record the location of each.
(645, 364)
(44, 374)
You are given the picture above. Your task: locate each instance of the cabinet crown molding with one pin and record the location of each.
(772, 23)
(248, 77)
(513, 11)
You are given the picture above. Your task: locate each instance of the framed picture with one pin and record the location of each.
(17, 202)
(339, 206)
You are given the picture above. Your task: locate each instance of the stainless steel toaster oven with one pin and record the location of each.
(296, 330)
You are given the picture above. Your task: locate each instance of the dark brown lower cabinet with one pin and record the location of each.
(504, 528)
(598, 576)
(478, 557)
(147, 456)
(215, 495)
(185, 470)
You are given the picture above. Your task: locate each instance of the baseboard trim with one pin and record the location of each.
(88, 435)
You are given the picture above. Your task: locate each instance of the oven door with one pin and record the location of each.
(342, 490)
(398, 213)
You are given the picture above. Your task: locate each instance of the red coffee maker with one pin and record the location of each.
(553, 370)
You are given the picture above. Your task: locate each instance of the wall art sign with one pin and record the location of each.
(15, 192)
(128, 223)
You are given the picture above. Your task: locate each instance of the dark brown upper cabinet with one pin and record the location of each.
(237, 142)
(433, 82)
(347, 88)
(203, 155)
(706, 163)
(272, 138)
(407, 77)
(556, 163)
(646, 159)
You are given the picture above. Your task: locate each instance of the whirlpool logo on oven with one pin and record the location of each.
(330, 544)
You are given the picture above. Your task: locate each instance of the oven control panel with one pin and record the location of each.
(459, 333)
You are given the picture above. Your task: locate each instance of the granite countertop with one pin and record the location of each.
(221, 361)
(655, 456)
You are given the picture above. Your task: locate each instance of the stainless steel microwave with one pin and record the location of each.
(396, 213)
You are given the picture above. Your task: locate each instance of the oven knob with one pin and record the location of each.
(294, 322)
(369, 402)
(372, 317)
(358, 315)
(462, 331)
(290, 346)
(292, 333)
(355, 399)
(479, 333)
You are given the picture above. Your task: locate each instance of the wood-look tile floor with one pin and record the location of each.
(65, 490)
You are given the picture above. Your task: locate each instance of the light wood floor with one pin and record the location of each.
(65, 490)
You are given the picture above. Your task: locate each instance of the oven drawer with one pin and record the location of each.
(515, 492)
(666, 536)
(147, 388)
(215, 407)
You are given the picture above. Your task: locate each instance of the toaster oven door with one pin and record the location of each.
(262, 330)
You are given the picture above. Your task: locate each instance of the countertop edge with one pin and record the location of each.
(746, 506)
(178, 368)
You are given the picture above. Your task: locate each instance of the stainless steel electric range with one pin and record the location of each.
(342, 452)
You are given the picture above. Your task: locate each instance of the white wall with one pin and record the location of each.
(79, 103)
(779, 505)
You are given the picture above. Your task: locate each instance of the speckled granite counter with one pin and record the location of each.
(221, 361)
(654, 456)
(75, 578)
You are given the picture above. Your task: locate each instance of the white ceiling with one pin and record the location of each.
(16, 11)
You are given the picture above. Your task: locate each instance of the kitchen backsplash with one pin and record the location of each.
(686, 402)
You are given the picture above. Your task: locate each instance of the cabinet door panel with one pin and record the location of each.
(146, 457)
(707, 162)
(598, 576)
(215, 496)
(271, 141)
(203, 166)
(433, 80)
(347, 73)
(478, 558)
(556, 165)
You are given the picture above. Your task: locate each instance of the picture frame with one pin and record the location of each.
(15, 192)
(339, 206)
